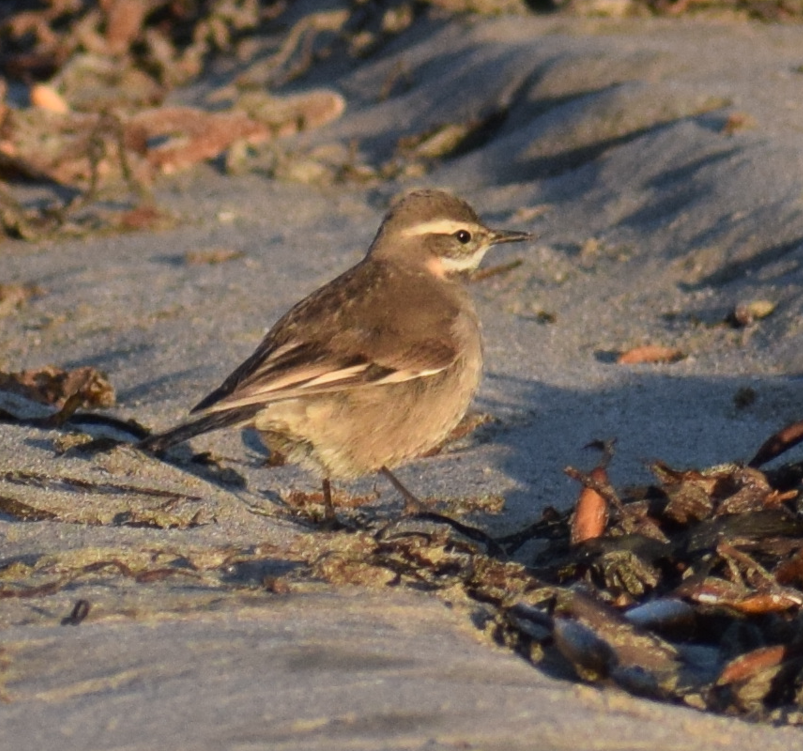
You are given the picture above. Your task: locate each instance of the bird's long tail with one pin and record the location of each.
(204, 423)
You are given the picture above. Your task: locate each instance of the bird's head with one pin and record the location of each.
(439, 231)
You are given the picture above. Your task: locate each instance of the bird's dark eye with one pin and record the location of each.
(463, 236)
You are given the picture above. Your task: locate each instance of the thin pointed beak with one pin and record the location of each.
(509, 236)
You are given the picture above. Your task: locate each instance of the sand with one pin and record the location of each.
(659, 163)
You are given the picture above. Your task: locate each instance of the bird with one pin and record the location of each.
(377, 366)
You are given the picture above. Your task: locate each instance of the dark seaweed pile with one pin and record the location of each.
(689, 590)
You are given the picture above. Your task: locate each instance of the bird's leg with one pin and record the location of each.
(411, 503)
(328, 507)
(414, 507)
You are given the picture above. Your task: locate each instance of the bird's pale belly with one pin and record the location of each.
(352, 433)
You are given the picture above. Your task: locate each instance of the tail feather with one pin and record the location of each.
(195, 426)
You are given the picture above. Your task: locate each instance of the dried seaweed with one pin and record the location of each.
(79, 613)
(689, 590)
(23, 512)
(100, 117)
(88, 387)
(98, 77)
(13, 296)
(650, 353)
(101, 503)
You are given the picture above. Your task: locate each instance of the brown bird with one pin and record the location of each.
(375, 367)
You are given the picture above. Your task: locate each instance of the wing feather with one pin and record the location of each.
(330, 342)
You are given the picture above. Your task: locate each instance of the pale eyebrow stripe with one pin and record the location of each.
(437, 227)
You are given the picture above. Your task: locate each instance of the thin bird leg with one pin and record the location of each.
(412, 505)
(328, 506)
